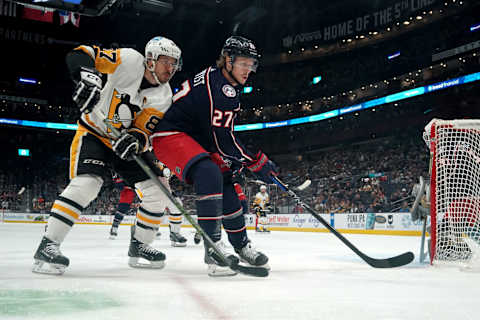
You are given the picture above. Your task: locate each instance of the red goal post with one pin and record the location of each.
(454, 188)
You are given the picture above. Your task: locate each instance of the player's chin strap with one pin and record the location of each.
(239, 86)
(152, 71)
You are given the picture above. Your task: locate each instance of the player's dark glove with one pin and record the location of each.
(238, 176)
(263, 168)
(87, 90)
(128, 144)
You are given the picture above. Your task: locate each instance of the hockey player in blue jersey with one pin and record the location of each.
(196, 140)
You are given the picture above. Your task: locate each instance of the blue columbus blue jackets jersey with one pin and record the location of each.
(205, 108)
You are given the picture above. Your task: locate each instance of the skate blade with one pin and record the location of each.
(136, 263)
(48, 268)
(217, 271)
(111, 237)
(178, 244)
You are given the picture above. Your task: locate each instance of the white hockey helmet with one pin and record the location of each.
(263, 187)
(161, 46)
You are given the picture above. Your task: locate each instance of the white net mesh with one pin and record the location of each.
(455, 188)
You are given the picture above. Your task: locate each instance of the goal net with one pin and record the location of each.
(454, 189)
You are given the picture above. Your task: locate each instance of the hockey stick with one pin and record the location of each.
(301, 187)
(251, 271)
(304, 185)
(396, 261)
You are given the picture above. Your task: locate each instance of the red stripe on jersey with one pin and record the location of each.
(209, 196)
(210, 218)
(235, 231)
(233, 213)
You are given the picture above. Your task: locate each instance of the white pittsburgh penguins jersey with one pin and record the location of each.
(261, 199)
(121, 94)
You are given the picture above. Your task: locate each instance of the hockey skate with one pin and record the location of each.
(262, 229)
(113, 233)
(197, 238)
(176, 238)
(216, 267)
(249, 255)
(139, 250)
(49, 259)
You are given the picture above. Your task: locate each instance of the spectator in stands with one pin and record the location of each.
(404, 207)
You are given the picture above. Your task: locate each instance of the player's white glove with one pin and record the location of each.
(87, 91)
(127, 145)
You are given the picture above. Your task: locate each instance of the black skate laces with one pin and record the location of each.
(147, 249)
(53, 248)
(249, 251)
(223, 248)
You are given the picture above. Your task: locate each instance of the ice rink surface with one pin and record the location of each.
(313, 276)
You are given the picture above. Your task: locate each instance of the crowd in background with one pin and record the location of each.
(373, 177)
(377, 176)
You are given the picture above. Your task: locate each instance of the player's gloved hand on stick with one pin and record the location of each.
(238, 176)
(263, 168)
(128, 144)
(87, 91)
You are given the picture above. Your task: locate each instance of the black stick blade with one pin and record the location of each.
(251, 271)
(397, 261)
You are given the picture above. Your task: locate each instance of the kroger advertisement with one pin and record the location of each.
(369, 223)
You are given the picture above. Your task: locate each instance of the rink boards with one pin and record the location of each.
(361, 223)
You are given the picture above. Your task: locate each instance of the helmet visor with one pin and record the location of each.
(170, 62)
(250, 64)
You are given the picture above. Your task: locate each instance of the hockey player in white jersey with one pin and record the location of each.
(261, 206)
(133, 99)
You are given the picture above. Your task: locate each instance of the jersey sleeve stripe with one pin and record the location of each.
(88, 50)
(107, 61)
(163, 134)
(244, 154)
(209, 93)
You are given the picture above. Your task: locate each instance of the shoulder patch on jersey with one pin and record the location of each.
(229, 91)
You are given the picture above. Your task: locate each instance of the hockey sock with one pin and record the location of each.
(234, 225)
(63, 214)
(233, 218)
(146, 225)
(264, 221)
(69, 205)
(122, 209)
(148, 215)
(57, 229)
(208, 185)
(175, 222)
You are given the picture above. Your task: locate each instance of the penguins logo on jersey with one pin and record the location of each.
(229, 91)
(125, 112)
